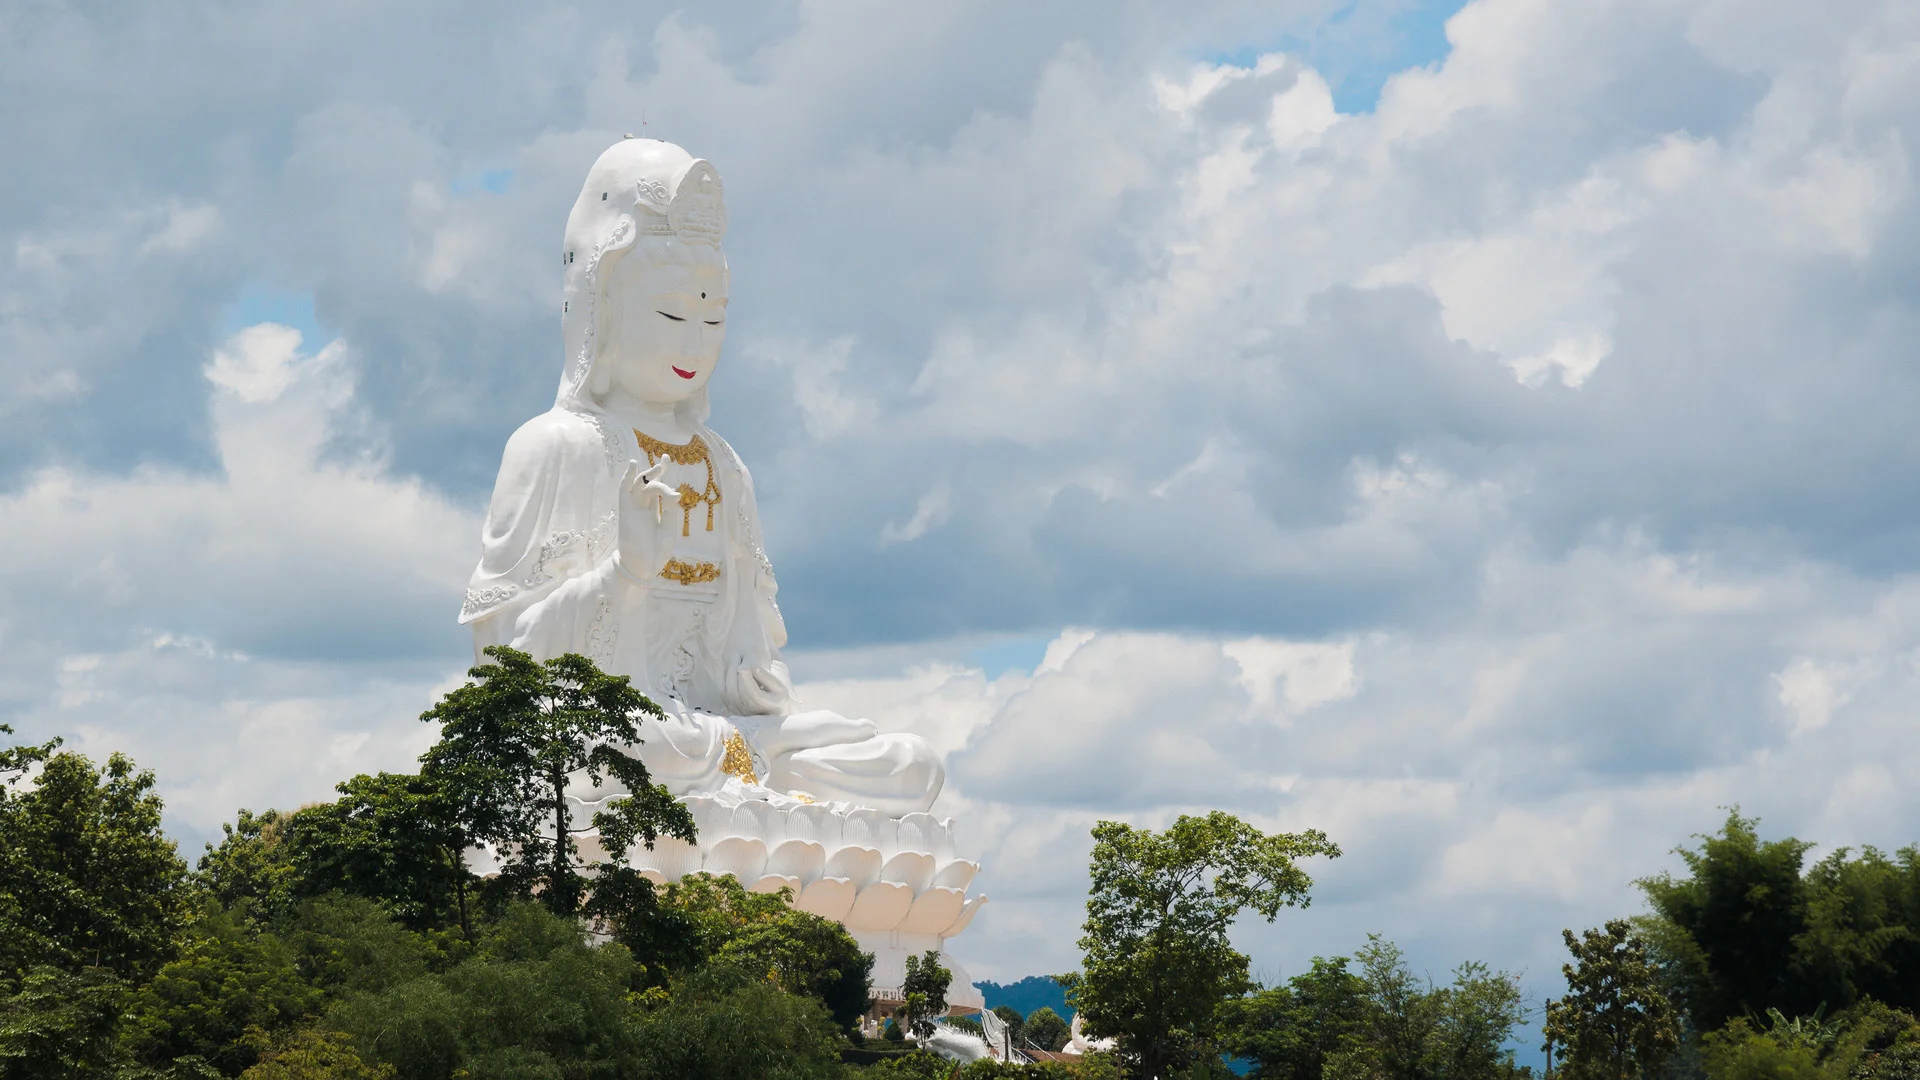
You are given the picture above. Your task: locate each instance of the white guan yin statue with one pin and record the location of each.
(623, 528)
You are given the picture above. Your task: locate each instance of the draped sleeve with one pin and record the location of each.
(750, 557)
(552, 518)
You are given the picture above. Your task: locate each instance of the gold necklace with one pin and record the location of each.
(692, 452)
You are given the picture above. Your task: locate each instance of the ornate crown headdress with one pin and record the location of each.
(694, 212)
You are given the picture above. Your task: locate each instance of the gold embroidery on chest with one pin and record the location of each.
(687, 573)
(692, 452)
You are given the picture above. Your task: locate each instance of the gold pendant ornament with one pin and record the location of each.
(692, 452)
(738, 760)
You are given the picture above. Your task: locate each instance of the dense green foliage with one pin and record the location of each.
(1288, 1032)
(317, 1054)
(1753, 966)
(1615, 1022)
(1157, 959)
(1381, 1021)
(57, 1024)
(86, 877)
(1746, 930)
(1089, 1067)
(349, 940)
(1045, 1029)
(392, 836)
(721, 1026)
(229, 980)
(707, 921)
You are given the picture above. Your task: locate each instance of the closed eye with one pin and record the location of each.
(675, 318)
(713, 322)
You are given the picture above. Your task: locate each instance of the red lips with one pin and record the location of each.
(683, 374)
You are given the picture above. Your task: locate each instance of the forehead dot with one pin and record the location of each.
(703, 296)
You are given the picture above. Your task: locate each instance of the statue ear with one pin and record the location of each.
(602, 380)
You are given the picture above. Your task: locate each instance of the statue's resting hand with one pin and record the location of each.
(818, 727)
(640, 549)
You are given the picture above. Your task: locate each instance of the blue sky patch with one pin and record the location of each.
(1361, 46)
(490, 181)
(1010, 654)
(257, 304)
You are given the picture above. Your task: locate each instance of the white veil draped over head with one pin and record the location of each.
(640, 192)
(555, 502)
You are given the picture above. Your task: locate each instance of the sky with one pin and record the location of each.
(1483, 432)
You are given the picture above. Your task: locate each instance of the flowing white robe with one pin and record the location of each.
(708, 652)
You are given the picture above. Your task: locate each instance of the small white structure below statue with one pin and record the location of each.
(623, 528)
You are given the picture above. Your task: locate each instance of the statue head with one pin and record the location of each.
(645, 297)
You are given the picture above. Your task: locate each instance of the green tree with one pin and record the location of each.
(250, 868)
(1735, 917)
(1094, 1066)
(1413, 1030)
(1874, 1042)
(719, 1026)
(510, 740)
(911, 1065)
(62, 1026)
(1046, 1029)
(535, 999)
(925, 991)
(1739, 1052)
(316, 1054)
(230, 981)
(87, 878)
(1862, 929)
(392, 837)
(1478, 1012)
(1288, 1032)
(807, 955)
(1615, 1022)
(1157, 959)
(17, 761)
(1089, 1067)
(1402, 1016)
(663, 931)
(703, 919)
(1746, 930)
(693, 919)
(346, 944)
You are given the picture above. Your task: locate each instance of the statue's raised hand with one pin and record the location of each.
(643, 501)
(760, 688)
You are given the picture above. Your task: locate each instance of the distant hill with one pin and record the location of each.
(1027, 995)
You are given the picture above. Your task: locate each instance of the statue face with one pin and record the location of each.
(672, 320)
